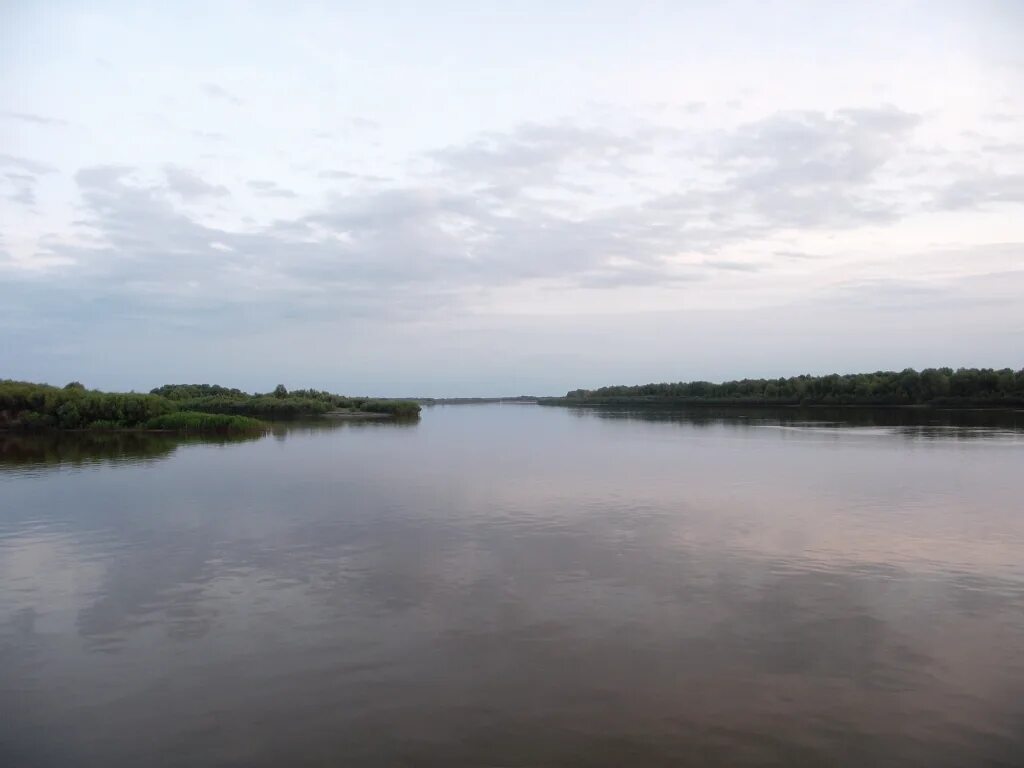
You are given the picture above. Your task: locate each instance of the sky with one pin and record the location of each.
(474, 198)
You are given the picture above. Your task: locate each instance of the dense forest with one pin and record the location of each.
(175, 407)
(937, 387)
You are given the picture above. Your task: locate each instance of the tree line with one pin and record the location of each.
(962, 387)
(279, 403)
(181, 407)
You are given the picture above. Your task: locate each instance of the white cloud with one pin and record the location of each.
(219, 92)
(451, 181)
(27, 117)
(190, 186)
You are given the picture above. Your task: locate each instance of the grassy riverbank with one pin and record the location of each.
(206, 423)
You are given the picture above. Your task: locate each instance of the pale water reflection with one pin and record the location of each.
(520, 586)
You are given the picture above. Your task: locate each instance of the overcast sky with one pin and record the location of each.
(503, 198)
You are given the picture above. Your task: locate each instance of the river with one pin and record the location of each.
(519, 585)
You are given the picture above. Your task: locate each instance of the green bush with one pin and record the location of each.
(187, 391)
(249, 405)
(40, 405)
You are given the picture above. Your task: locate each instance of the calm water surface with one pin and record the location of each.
(519, 585)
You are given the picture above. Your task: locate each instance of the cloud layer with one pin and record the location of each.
(235, 199)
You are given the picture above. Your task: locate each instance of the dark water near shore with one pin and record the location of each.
(518, 585)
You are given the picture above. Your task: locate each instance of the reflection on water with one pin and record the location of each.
(522, 586)
(283, 429)
(923, 423)
(23, 452)
(39, 451)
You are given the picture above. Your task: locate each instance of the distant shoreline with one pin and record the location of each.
(522, 399)
(680, 403)
(946, 388)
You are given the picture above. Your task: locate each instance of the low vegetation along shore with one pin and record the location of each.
(187, 408)
(932, 387)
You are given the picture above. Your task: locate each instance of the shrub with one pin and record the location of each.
(191, 421)
(393, 407)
